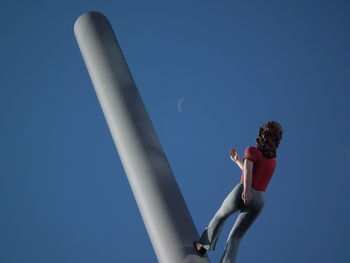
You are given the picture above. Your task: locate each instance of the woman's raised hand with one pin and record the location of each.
(234, 155)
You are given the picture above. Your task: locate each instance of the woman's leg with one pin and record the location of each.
(230, 205)
(244, 220)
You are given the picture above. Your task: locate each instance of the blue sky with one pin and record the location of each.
(64, 196)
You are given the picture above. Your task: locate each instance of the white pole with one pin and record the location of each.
(162, 207)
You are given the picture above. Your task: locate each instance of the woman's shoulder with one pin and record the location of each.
(252, 148)
(255, 149)
(252, 151)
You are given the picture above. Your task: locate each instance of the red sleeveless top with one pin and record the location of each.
(263, 168)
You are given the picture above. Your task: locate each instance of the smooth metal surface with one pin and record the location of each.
(163, 209)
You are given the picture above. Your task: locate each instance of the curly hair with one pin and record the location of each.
(270, 135)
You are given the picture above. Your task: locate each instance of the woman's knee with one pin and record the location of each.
(221, 215)
(237, 233)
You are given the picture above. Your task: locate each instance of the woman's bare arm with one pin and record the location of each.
(235, 158)
(239, 163)
(247, 180)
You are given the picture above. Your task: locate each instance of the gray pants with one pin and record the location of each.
(248, 213)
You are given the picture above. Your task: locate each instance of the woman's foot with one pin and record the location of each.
(199, 248)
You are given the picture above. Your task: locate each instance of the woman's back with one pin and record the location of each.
(263, 168)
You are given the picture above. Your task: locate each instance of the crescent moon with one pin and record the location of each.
(180, 104)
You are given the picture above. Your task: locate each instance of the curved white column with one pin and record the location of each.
(163, 209)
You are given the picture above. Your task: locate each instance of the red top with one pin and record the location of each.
(263, 168)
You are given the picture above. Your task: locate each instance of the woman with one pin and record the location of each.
(247, 196)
